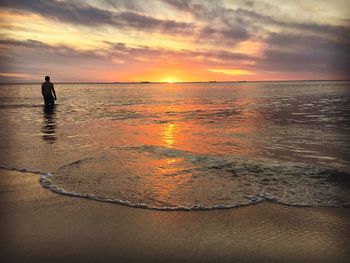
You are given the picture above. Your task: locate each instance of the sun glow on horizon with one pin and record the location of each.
(170, 80)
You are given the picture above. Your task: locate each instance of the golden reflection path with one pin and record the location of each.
(170, 168)
(168, 135)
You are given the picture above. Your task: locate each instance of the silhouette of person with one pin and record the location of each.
(47, 90)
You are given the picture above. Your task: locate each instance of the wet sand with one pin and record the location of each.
(40, 226)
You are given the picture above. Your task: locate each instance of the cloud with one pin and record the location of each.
(231, 71)
(87, 15)
(212, 30)
(224, 36)
(300, 53)
(36, 57)
(134, 20)
(200, 57)
(135, 5)
(77, 13)
(186, 5)
(261, 20)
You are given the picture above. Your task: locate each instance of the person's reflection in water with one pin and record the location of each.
(49, 125)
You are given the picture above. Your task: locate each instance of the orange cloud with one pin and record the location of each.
(232, 71)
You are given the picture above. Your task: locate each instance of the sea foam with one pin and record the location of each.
(172, 179)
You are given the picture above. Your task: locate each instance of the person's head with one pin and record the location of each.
(47, 78)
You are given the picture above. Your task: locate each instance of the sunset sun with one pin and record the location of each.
(170, 80)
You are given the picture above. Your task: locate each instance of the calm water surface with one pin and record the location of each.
(184, 146)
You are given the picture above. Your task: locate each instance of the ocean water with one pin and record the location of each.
(184, 146)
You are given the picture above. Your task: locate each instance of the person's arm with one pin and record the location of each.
(42, 89)
(53, 91)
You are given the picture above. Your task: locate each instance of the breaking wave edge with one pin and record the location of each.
(46, 182)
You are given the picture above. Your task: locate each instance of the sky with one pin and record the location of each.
(173, 40)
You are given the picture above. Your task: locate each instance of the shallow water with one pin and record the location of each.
(184, 146)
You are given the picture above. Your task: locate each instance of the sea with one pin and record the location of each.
(183, 146)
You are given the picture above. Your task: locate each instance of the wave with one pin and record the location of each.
(45, 181)
(203, 183)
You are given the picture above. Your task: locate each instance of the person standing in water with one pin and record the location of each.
(47, 90)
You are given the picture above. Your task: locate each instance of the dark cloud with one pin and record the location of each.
(232, 28)
(63, 11)
(82, 14)
(263, 20)
(306, 53)
(243, 23)
(186, 5)
(134, 20)
(299, 41)
(249, 3)
(134, 5)
(225, 36)
(27, 43)
(239, 23)
(86, 15)
(180, 4)
(36, 57)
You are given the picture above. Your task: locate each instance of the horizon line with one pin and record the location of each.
(175, 82)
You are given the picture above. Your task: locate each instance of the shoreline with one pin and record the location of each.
(45, 182)
(41, 226)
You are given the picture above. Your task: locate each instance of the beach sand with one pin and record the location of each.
(40, 226)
